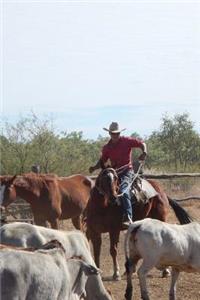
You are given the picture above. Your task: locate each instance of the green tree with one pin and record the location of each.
(15, 147)
(176, 145)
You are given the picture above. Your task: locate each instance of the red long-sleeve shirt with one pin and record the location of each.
(120, 153)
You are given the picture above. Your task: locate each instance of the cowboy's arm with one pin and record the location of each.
(97, 166)
(144, 152)
(100, 163)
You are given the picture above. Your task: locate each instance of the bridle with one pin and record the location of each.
(98, 185)
(117, 172)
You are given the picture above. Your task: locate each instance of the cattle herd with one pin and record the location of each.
(44, 263)
(40, 263)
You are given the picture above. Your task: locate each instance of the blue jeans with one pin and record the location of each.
(125, 180)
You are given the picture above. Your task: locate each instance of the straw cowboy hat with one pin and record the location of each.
(114, 128)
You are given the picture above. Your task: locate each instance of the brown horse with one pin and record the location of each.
(51, 197)
(104, 215)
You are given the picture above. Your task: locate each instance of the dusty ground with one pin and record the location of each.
(188, 284)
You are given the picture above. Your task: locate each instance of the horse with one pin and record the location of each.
(104, 215)
(51, 198)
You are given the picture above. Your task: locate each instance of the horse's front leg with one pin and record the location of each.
(96, 243)
(76, 221)
(54, 223)
(114, 240)
(39, 221)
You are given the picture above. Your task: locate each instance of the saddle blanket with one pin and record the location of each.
(143, 190)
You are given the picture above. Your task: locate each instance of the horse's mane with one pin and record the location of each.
(42, 175)
(34, 180)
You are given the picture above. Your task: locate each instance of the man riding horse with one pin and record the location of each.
(118, 152)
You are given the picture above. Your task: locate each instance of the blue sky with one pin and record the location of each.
(88, 63)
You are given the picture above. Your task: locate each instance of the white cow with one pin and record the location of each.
(75, 243)
(42, 274)
(160, 244)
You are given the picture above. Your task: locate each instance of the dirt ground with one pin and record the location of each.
(188, 287)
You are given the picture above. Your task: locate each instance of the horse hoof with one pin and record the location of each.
(166, 273)
(116, 277)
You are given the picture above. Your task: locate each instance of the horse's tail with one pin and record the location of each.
(181, 214)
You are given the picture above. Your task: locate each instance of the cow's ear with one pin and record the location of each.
(90, 270)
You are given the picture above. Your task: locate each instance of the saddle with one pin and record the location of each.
(142, 190)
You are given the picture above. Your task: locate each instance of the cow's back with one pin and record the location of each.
(26, 275)
(21, 234)
(74, 242)
(168, 244)
(27, 235)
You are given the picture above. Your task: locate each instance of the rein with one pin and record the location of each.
(119, 170)
(122, 168)
(136, 175)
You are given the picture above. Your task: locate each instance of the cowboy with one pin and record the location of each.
(118, 151)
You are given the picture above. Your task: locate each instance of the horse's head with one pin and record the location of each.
(107, 183)
(7, 191)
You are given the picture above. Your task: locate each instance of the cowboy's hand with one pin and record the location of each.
(91, 169)
(142, 157)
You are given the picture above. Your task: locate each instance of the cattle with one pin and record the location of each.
(42, 274)
(161, 244)
(75, 243)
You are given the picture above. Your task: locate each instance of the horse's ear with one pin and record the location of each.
(97, 181)
(105, 165)
(102, 164)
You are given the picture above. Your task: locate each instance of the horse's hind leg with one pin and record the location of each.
(114, 240)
